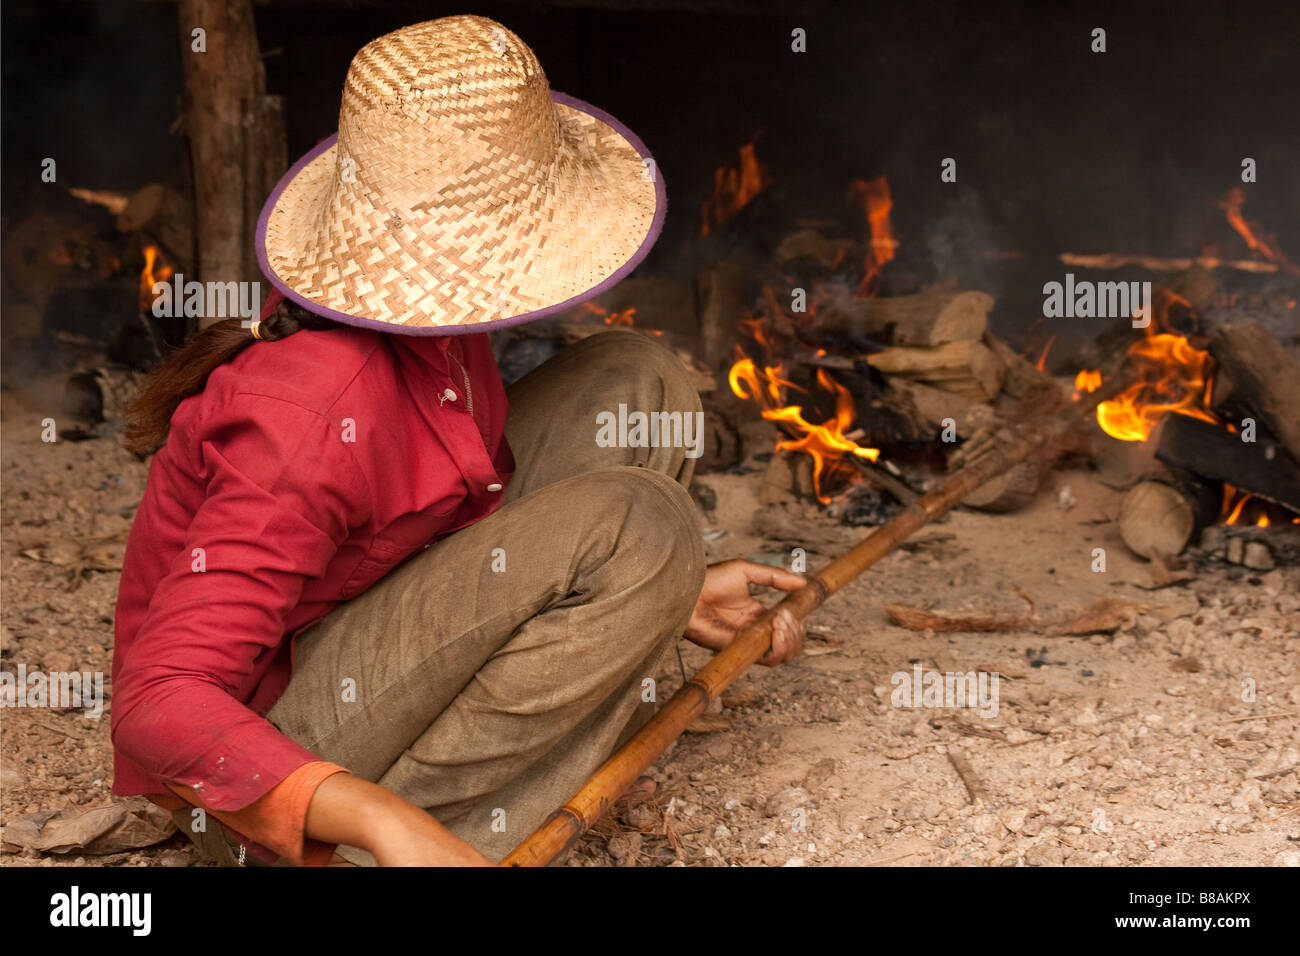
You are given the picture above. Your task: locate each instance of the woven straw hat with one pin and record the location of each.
(460, 194)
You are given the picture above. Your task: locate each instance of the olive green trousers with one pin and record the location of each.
(496, 670)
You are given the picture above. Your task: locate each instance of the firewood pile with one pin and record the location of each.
(874, 397)
(853, 392)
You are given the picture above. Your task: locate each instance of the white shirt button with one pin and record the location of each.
(448, 395)
(495, 486)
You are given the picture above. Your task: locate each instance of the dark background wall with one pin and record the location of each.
(1058, 149)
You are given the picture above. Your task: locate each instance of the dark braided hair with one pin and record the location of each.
(185, 371)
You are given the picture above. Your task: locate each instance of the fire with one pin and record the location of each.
(1235, 514)
(876, 201)
(1172, 376)
(148, 276)
(826, 443)
(624, 319)
(733, 189)
(1235, 502)
(1087, 381)
(1258, 240)
(1041, 364)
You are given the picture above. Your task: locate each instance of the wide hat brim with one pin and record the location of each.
(599, 220)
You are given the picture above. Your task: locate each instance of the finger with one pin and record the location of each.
(782, 640)
(771, 577)
(797, 634)
(776, 651)
(789, 628)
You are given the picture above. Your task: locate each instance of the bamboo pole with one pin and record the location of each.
(569, 822)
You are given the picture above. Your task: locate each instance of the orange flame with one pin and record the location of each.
(624, 319)
(148, 276)
(1087, 381)
(1258, 240)
(826, 443)
(874, 197)
(1172, 376)
(1235, 514)
(733, 189)
(1041, 364)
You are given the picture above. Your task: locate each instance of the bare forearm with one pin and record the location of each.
(355, 812)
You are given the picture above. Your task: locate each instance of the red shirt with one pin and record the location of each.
(304, 471)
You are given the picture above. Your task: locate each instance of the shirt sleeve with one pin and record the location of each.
(283, 490)
(277, 820)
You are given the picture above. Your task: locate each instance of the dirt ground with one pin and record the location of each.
(1128, 748)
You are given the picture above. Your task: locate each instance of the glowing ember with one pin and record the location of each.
(874, 197)
(733, 189)
(826, 443)
(149, 275)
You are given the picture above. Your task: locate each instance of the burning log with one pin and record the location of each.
(926, 319)
(1261, 375)
(570, 821)
(165, 218)
(1215, 453)
(965, 368)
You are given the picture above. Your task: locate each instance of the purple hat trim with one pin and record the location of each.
(656, 226)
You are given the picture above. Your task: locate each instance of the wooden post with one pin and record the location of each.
(225, 88)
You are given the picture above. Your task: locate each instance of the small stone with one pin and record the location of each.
(624, 846)
(11, 779)
(779, 804)
(1258, 557)
(642, 816)
(1287, 858)
(1039, 855)
(922, 809)
(1013, 820)
(1212, 539)
(1235, 551)
(59, 661)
